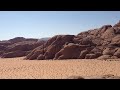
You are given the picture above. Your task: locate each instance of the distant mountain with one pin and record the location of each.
(18, 46)
(44, 39)
(17, 39)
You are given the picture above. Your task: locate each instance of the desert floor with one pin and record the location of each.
(17, 68)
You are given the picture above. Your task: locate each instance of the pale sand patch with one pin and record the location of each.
(17, 68)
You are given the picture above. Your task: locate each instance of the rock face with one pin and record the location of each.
(23, 46)
(117, 53)
(14, 54)
(101, 43)
(18, 47)
(53, 46)
(70, 51)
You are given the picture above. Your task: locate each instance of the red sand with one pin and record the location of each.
(17, 68)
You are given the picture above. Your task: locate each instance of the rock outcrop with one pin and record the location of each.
(70, 51)
(53, 46)
(18, 47)
(101, 43)
(13, 54)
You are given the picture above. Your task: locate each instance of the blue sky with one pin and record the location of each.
(39, 24)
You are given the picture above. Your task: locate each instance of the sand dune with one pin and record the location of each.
(17, 68)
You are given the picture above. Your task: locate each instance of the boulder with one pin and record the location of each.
(52, 46)
(109, 51)
(94, 50)
(83, 54)
(51, 51)
(108, 34)
(117, 30)
(90, 56)
(39, 50)
(70, 51)
(114, 57)
(60, 40)
(75, 50)
(116, 41)
(41, 57)
(117, 53)
(87, 41)
(35, 54)
(104, 57)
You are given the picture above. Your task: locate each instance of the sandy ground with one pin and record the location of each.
(17, 68)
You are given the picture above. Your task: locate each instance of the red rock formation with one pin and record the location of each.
(5, 43)
(103, 43)
(17, 39)
(35, 53)
(83, 54)
(14, 54)
(41, 57)
(70, 51)
(17, 46)
(90, 56)
(117, 53)
(109, 51)
(53, 46)
(104, 57)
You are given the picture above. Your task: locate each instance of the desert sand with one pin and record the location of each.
(17, 68)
